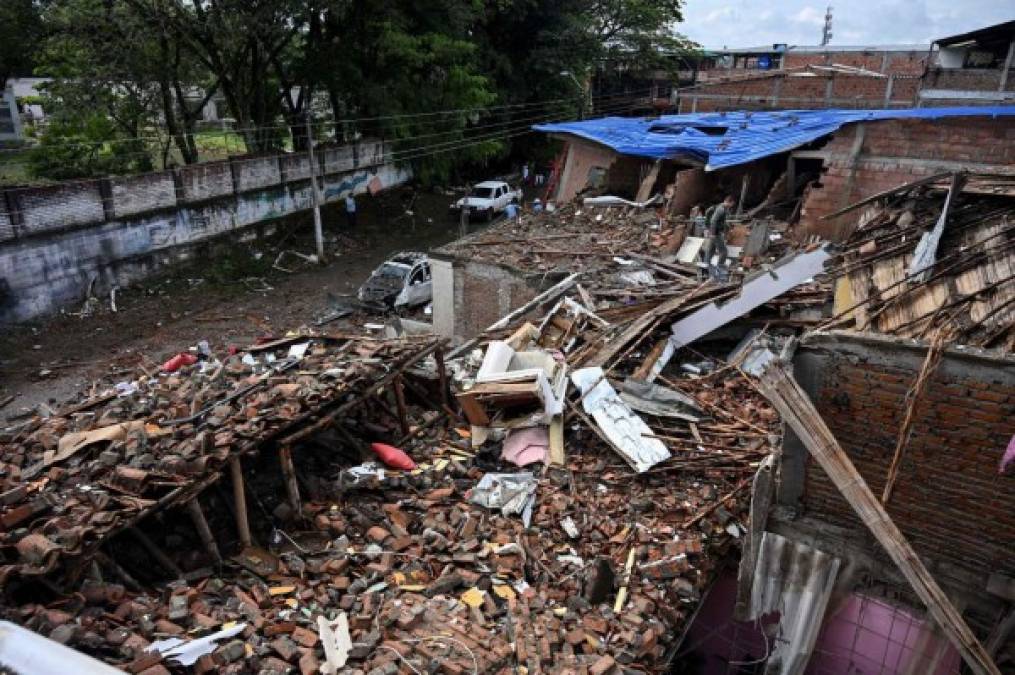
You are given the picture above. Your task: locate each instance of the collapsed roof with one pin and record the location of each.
(720, 140)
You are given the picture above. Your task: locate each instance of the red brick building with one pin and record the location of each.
(864, 159)
(970, 68)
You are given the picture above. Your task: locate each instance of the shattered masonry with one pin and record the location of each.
(570, 486)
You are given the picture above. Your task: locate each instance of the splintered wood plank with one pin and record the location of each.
(783, 391)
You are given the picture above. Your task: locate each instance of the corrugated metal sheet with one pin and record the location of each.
(795, 580)
(718, 140)
(628, 433)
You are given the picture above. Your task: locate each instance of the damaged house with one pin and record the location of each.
(609, 459)
(879, 536)
(791, 167)
(798, 469)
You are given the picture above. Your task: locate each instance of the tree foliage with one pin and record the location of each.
(418, 73)
(21, 30)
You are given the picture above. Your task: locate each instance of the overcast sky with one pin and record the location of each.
(749, 23)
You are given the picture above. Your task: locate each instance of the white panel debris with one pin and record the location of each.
(502, 364)
(512, 493)
(627, 431)
(187, 653)
(754, 293)
(23, 651)
(620, 201)
(336, 642)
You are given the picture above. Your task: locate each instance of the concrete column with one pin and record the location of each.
(12, 206)
(889, 85)
(283, 177)
(106, 194)
(443, 275)
(1007, 66)
(178, 185)
(234, 172)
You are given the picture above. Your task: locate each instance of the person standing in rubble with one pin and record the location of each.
(350, 210)
(697, 220)
(716, 227)
(513, 213)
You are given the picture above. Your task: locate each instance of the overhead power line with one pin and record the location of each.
(165, 136)
(616, 106)
(403, 155)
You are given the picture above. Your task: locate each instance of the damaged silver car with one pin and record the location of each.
(401, 281)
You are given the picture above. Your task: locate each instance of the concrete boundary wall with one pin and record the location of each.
(55, 240)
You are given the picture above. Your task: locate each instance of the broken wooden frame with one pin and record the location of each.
(74, 566)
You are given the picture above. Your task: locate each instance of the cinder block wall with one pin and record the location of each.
(949, 499)
(484, 293)
(895, 152)
(55, 240)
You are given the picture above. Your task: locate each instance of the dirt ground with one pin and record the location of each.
(49, 362)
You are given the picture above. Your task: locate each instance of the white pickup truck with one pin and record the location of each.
(487, 199)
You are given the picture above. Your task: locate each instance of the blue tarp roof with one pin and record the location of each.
(719, 140)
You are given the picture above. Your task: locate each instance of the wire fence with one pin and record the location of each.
(290, 135)
(27, 211)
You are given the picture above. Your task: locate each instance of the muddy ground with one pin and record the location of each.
(50, 361)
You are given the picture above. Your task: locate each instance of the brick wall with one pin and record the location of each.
(974, 79)
(949, 499)
(899, 63)
(140, 194)
(206, 181)
(54, 240)
(895, 152)
(251, 173)
(814, 90)
(51, 208)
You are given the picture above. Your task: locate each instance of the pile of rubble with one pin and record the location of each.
(467, 563)
(77, 477)
(554, 496)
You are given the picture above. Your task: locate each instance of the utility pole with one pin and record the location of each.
(826, 32)
(584, 98)
(315, 194)
(464, 214)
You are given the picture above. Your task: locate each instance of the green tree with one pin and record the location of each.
(21, 30)
(417, 73)
(241, 44)
(402, 61)
(109, 58)
(83, 146)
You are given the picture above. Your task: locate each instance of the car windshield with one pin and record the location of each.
(482, 192)
(392, 270)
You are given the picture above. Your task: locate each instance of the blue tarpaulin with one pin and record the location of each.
(718, 140)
